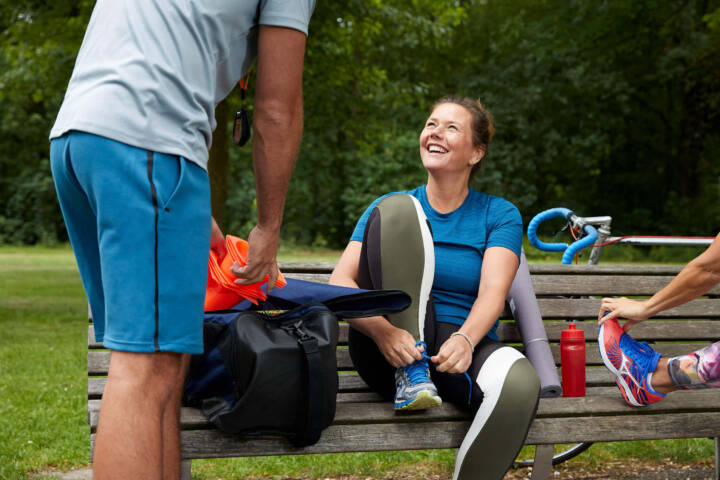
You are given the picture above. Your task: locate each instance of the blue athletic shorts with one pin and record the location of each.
(139, 224)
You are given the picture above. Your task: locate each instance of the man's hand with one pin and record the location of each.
(217, 241)
(397, 346)
(454, 356)
(261, 259)
(634, 310)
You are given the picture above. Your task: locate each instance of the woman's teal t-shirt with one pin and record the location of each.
(461, 238)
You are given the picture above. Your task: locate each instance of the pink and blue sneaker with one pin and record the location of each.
(632, 363)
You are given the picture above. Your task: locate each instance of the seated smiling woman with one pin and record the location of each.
(455, 251)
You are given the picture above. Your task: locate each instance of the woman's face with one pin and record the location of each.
(446, 141)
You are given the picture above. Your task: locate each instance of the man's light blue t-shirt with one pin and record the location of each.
(461, 238)
(149, 73)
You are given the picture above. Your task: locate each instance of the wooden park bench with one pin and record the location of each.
(365, 423)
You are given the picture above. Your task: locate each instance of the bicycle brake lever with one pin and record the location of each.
(567, 225)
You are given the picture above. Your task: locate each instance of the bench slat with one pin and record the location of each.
(649, 330)
(602, 285)
(558, 308)
(99, 360)
(335, 439)
(351, 384)
(624, 427)
(383, 412)
(507, 331)
(592, 354)
(355, 397)
(434, 435)
(592, 285)
(647, 270)
(547, 269)
(311, 277)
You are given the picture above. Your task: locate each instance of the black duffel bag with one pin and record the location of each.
(277, 373)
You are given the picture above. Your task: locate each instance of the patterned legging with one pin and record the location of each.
(700, 369)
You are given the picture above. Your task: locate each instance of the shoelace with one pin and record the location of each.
(414, 372)
(639, 352)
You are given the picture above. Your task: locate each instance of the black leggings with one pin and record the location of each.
(453, 387)
(397, 252)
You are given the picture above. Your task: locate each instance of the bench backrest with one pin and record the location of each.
(558, 288)
(674, 332)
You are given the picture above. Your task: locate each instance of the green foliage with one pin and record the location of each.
(40, 41)
(608, 108)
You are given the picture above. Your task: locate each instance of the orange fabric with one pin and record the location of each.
(222, 291)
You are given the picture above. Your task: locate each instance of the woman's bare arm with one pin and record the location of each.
(498, 272)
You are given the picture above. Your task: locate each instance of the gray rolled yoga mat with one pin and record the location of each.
(525, 309)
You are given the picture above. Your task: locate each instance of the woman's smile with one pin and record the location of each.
(435, 148)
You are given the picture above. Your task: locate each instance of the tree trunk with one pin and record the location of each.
(218, 164)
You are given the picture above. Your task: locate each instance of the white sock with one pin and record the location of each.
(649, 384)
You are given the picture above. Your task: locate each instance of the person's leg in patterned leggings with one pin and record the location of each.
(700, 369)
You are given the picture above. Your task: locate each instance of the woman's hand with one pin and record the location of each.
(397, 345)
(634, 310)
(454, 356)
(217, 240)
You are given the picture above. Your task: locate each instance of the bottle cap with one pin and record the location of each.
(572, 332)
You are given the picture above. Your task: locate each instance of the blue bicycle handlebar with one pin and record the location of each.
(535, 223)
(570, 250)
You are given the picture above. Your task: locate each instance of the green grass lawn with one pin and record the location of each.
(43, 388)
(43, 376)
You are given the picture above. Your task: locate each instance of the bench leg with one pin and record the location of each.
(717, 458)
(543, 462)
(185, 469)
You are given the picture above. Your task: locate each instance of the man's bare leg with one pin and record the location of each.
(129, 441)
(171, 426)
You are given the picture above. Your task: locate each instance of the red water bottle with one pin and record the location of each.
(572, 361)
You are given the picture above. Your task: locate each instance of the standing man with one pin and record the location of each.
(129, 153)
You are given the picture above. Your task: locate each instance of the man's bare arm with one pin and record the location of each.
(277, 125)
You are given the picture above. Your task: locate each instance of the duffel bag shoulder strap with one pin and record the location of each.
(312, 423)
(368, 303)
(345, 302)
(310, 434)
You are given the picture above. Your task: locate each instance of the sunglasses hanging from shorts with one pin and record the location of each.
(241, 127)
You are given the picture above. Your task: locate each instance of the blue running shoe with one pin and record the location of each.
(631, 361)
(415, 390)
